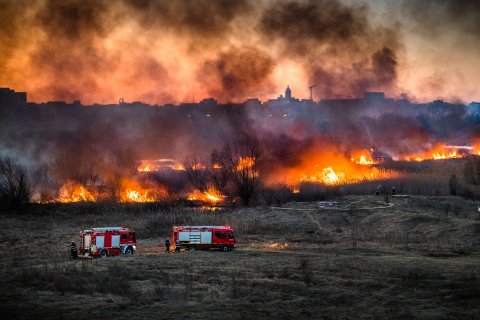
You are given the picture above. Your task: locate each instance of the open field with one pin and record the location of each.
(417, 258)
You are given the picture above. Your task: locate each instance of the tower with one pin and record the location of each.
(288, 93)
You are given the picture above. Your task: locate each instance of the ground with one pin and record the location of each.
(412, 257)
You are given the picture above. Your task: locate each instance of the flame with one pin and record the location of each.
(363, 158)
(216, 166)
(439, 152)
(178, 167)
(160, 165)
(144, 168)
(74, 192)
(328, 165)
(132, 191)
(196, 166)
(438, 156)
(245, 163)
(211, 195)
(326, 176)
(476, 149)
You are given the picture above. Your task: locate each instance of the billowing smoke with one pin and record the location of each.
(168, 51)
(163, 52)
(236, 74)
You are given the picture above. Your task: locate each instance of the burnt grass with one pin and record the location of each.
(419, 258)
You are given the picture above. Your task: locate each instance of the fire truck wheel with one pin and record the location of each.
(129, 251)
(103, 253)
(225, 248)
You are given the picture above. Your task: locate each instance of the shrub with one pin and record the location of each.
(14, 187)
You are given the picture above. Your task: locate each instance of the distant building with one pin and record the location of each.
(288, 93)
(9, 97)
(253, 103)
(374, 96)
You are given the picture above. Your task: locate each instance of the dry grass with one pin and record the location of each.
(418, 259)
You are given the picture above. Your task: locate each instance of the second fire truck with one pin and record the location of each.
(107, 241)
(203, 237)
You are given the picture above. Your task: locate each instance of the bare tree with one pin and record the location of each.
(196, 173)
(126, 160)
(238, 164)
(81, 166)
(14, 187)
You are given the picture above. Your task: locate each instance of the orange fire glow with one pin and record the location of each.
(476, 149)
(439, 152)
(331, 167)
(132, 191)
(363, 158)
(160, 165)
(144, 168)
(75, 192)
(211, 195)
(245, 163)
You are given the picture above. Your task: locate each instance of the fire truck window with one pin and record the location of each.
(230, 235)
(132, 236)
(124, 236)
(218, 234)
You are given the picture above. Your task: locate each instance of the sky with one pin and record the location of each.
(183, 51)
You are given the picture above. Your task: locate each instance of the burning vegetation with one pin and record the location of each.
(333, 126)
(211, 196)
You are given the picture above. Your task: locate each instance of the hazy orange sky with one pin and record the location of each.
(177, 51)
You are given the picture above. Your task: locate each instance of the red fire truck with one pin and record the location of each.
(203, 237)
(107, 241)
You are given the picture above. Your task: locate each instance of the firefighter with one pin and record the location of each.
(178, 246)
(73, 250)
(394, 191)
(167, 245)
(379, 189)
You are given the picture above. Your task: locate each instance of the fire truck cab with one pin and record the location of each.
(204, 237)
(107, 241)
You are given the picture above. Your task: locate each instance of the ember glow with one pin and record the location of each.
(245, 163)
(74, 192)
(132, 191)
(129, 191)
(439, 152)
(331, 167)
(160, 165)
(363, 158)
(211, 196)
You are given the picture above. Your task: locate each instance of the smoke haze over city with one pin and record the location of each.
(178, 51)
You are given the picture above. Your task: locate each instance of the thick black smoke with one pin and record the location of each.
(236, 73)
(339, 48)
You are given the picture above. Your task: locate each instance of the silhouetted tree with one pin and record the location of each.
(196, 173)
(14, 187)
(238, 164)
